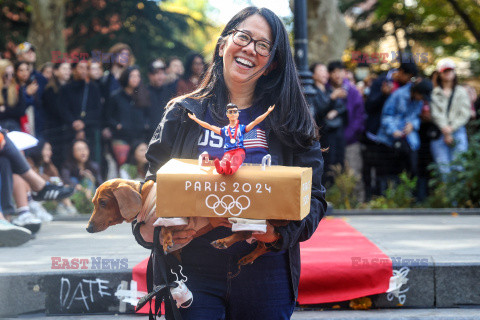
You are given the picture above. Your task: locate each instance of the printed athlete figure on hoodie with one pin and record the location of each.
(232, 135)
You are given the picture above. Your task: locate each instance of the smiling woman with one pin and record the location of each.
(252, 68)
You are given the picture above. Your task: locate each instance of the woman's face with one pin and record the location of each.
(197, 66)
(47, 152)
(140, 153)
(320, 74)
(81, 152)
(447, 75)
(241, 63)
(8, 75)
(134, 79)
(23, 73)
(47, 72)
(64, 72)
(95, 70)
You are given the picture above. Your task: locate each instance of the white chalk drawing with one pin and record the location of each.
(94, 286)
(398, 279)
(129, 296)
(227, 203)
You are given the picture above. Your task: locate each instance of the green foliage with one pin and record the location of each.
(14, 22)
(50, 206)
(341, 193)
(82, 201)
(397, 195)
(463, 182)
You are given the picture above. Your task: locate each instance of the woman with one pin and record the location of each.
(40, 159)
(56, 132)
(136, 166)
(450, 109)
(253, 68)
(194, 68)
(12, 102)
(127, 113)
(330, 114)
(80, 171)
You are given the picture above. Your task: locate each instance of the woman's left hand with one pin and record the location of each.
(269, 236)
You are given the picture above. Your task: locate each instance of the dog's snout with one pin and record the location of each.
(90, 228)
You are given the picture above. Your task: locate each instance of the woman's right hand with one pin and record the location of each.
(32, 88)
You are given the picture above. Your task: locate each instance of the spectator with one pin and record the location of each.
(95, 72)
(40, 159)
(136, 166)
(12, 100)
(194, 68)
(160, 94)
(372, 151)
(57, 130)
(13, 162)
(26, 53)
(47, 70)
(450, 108)
(80, 171)
(330, 116)
(82, 109)
(356, 117)
(400, 123)
(128, 110)
(174, 69)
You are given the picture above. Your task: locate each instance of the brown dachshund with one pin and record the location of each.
(119, 200)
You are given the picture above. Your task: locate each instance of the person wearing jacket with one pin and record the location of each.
(330, 114)
(252, 61)
(81, 108)
(399, 126)
(451, 123)
(12, 97)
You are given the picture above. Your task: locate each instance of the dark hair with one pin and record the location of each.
(231, 106)
(291, 121)
(53, 82)
(314, 65)
(125, 75)
(35, 153)
(18, 64)
(189, 64)
(337, 64)
(423, 87)
(409, 67)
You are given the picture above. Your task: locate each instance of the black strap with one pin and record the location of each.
(450, 102)
(159, 281)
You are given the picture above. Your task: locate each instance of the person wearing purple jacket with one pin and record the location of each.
(356, 120)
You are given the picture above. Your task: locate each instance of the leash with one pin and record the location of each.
(159, 282)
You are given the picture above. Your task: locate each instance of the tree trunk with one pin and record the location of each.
(468, 21)
(46, 28)
(328, 33)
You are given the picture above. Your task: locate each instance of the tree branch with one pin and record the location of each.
(470, 25)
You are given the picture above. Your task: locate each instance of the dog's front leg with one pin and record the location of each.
(234, 238)
(249, 258)
(167, 237)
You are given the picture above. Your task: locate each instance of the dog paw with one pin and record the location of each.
(246, 260)
(219, 244)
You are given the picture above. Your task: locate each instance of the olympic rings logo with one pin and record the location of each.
(227, 204)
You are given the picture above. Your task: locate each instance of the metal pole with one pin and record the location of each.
(301, 46)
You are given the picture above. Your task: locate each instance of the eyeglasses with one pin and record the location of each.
(243, 39)
(232, 111)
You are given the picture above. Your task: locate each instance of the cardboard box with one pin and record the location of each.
(185, 189)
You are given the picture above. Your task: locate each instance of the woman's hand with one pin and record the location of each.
(269, 236)
(80, 135)
(32, 88)
(192, 116)
(78, 125)
(398, 134)
(448, 139)
(408, 129)
(332, 114)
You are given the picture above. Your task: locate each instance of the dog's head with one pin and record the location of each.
(115, 201)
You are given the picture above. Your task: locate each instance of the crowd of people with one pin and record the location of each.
(397, 121)
(93, 121)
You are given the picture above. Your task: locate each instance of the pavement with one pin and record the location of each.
(33, 278)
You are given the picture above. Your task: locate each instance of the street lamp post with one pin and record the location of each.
(301, 46)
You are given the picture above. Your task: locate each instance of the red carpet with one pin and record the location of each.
(331, 269)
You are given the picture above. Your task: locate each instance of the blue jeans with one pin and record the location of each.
(444, 154)
(260, 291)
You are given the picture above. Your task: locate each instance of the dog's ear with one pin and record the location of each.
(129, 201)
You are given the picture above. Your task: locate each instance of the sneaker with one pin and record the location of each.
(52, 192)
(12, 236)
(27, 220)
(39, 211)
